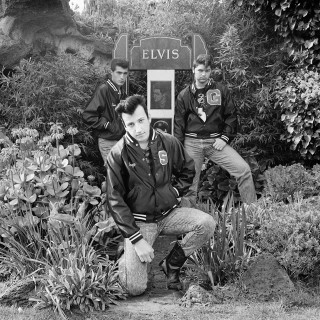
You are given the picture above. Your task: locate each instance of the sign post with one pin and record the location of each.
(160, 56)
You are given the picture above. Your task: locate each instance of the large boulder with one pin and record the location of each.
(266, 279)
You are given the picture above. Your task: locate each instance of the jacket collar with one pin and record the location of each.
(153, 135)
(193, 87)
(114, 87)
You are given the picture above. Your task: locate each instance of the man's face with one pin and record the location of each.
(201, 74)
(157, 95)
(119, 76)
(137, 124)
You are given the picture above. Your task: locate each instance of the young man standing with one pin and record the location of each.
(100, 112)
(144, 201)
(205, 121)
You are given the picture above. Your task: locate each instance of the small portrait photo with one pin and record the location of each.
(162, 124)
(160, 95)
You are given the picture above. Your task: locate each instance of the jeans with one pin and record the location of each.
(197, 226)
(228, 159)
(105, 147)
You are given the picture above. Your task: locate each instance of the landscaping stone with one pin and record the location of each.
(266, 279)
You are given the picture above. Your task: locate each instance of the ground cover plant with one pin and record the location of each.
(55, 231)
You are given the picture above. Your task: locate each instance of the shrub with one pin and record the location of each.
(292, 234)
(298, 97)
(284, 183)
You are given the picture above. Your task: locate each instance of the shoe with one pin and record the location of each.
(171, 266)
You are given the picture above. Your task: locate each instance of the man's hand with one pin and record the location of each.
(219, 144)
(144, 251)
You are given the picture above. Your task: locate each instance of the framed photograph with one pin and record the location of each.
(160, 95)
(162, 124)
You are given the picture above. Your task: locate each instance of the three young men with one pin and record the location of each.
(145, 202)
(100, 111)
(205, 121)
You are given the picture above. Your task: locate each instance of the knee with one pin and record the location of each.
(207, 223)
(244, 169)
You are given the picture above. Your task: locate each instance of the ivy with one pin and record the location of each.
(298, 22)
(298, 96)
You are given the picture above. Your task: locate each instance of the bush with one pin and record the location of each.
(292, 234)
(284, 183)
(298, 97)
(51, 89)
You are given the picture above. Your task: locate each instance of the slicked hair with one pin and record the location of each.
(130, 105)
(120, 63)
(204, 59)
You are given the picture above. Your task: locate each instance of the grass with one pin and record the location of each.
(226, 311)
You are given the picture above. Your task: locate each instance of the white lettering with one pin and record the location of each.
(175, 54)
(145, 54)
(161, 54)
(155, 54)
(152, 56)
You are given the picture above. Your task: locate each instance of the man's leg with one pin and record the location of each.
(133, 273)
(230, 160)
(194, 148)
(105, 147)
(198, 228)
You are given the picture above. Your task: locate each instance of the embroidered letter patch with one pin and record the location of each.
(163, 157)
(214, 97)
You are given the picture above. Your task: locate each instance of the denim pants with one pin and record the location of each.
(197, 226)
(105, 147)
(228, 158)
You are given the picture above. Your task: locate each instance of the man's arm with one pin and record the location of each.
(183, 168)
(230, 117)
(92, 114)
(180, 119)
(120, 211)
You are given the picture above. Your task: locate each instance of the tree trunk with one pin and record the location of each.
(36, 26)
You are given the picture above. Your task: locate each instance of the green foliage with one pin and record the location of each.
(291, 233)
(53, 222)
(296, 21)
(215, 182)
(51, 89)
(298, 96)
(284, 183)
(228, 252)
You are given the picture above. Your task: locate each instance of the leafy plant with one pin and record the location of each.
(291, 233)
(228, 252)
(298, 96)
(286, 183)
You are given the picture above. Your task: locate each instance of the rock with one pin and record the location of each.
(196, 295)
(266, 279)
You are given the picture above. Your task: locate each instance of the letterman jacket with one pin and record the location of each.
(221, 117)
(137, 194)
(100, 112)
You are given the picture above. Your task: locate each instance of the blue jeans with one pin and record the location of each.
(105, 147)
(228, 159)
(197, 226)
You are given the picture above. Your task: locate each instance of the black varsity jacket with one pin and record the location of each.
(137, 194)
(100, 112)
(221, 117)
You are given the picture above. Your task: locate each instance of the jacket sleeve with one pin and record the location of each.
(92, 115)
(180, 115)
(183, 168)
(116, 192)
(230, 117)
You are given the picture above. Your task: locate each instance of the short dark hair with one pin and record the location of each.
(130, 105)
(120, 63)
(204, 59)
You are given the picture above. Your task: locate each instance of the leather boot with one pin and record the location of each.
(171, 265)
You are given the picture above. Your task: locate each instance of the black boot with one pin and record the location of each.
(171, 265)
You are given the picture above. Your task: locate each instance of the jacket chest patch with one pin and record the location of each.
(214, 97)
(163, 157)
